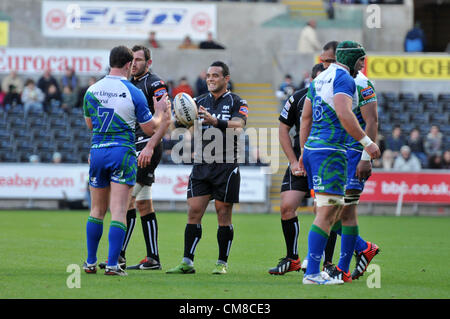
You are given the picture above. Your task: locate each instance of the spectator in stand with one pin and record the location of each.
(387, 160)
(69, 98)
(415, 142)
(285, 90)
(82, 91)
(46, 80)
(70, 79)
(435, 162)
(305, 81)
(32, 97)
(187, 44)
(415, 39)
(53, 98)
(446, 160)
(209, 43)
(308, 42)
(406, 161)
(433, 142)
(34, 159)
(200, 84)
(56, 158)
(14, 79)
(152, 42)
(395, 141)
(183, 86)
(12, 98)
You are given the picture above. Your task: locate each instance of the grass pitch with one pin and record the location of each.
(36, 247)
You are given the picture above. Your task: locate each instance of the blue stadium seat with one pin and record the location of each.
(430, 106)
(390, 96)
(46, 156)
(41, 135)
(61, 135)
(444, 97)
(16, 121)
(420, 118)
(71, 158)
(20, 132)
(44, 147)
(394, 107)
(4, 133)
(37, 122)
(58, 123)
(6, 146)
(406, 97)
(9, 157)
(426, 97)
(412, 107)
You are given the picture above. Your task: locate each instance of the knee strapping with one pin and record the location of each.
(329, 200)
(351, 199)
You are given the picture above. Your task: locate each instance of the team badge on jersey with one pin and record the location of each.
(367, 93)
(244, 110)
(160, 92)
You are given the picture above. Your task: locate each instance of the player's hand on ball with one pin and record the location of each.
(145, 157)
(373, 150)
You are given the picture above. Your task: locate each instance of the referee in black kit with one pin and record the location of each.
(214, 176)
(141, 199)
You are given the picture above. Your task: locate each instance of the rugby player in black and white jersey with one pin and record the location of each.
(152, 86)
(293, 188)
(214, 175)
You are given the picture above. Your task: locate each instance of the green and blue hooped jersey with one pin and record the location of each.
(114, 105)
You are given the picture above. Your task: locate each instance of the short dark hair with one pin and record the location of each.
(316, 69)
(225, 69)
(331, 45)
(119, 56)
(147, 52)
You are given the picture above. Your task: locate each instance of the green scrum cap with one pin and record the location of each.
(348, 53)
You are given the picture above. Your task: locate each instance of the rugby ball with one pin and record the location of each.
(185, 109)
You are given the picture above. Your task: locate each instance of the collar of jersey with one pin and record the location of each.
(223, 95)
(116, 77)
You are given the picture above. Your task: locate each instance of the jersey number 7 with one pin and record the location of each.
(106, 115)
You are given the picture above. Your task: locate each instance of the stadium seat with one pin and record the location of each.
(6, 146)
(82, 135)
(16, 121)
(46, 156)
(24, 156)
(430, 106)
(77, 123)
(9, 157)
(4, 134)
(439, 119)
(37, 122)
(24, 145)
(71, 158)
(400, 117)
(20, 132)
(16, 111)
(41, 135)
(390, 96)
(412, 107)
(394, 107)
(35, 113)
(58, 123)
(406, 97)
(61, 135)
(65, 146)
(444, 97)
(420, 118)
(426, 97)
(44, 146)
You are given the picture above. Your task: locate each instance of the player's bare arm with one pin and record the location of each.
(370, 115)
(343, 104)
(162, 106)
(286, 145)
(146, 154)
(305, 129)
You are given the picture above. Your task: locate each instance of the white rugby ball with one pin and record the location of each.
(185, 109)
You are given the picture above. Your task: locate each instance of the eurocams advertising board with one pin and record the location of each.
(37, 60)
(127, 20)
(49, 181)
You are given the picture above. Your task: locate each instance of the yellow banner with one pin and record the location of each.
(408, 67)
(4, 33)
